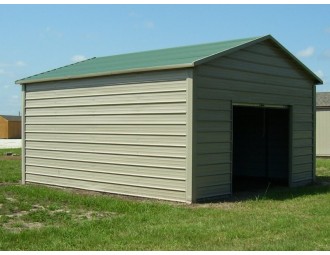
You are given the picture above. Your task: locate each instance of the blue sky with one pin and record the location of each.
(36, 38)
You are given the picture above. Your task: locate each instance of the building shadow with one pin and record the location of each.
(275, 192)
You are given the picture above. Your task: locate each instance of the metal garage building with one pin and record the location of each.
(323, 124)
(179, 124)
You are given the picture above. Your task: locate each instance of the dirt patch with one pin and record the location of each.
(18, 226)
(38, 216)
(11, 199)
(10, 157)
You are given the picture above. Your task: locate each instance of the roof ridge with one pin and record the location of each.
(182, 46)
(247, 40)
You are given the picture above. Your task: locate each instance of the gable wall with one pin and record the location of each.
(258, 74)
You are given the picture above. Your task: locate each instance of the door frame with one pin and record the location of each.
(290, 135)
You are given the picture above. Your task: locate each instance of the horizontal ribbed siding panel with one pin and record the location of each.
(301, 168)
(207, 115)
(108, 109)
(159, 97)
(210, 105)
(259, 74)
(151, 129)
(143, 150)
(213, 191)
(134, 170)
(250, 97)
(213, 159)
(302, 126)
(213, 137)
(113, 134)
(303, 159)
(252, 86)
(127, 180)
(210, 170)
(302, 134)
(213, 180)
(109, 158)
(302, 151)
(303, 176)
(213, 148)
(109, 139)
(227, 74)
(231, 62)
(107, 89)
(110, 119)
(298, 143)
(126, 79)
(213, 126)
(108, 187)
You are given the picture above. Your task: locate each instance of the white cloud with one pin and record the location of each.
(14, 97)
(2, 71)
(78, 58)
(322, 76)
(326, 54)
(20, 63)
(51, 32)
(150, 24)
(327, 30)
(308, 52)
(133, 14)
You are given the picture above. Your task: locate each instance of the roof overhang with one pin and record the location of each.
(93, 75)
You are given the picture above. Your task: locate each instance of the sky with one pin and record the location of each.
(37, 38)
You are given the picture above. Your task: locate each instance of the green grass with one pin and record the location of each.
(13, 150)
(42, 218)
(323, 169)
(10, 170)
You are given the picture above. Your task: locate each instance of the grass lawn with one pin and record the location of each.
(10, 167)
(42, 218)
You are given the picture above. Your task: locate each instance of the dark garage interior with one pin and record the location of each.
(260, 147)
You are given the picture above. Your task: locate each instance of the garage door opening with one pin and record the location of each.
(260, 147)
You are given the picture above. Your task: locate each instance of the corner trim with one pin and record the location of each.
(23, 135)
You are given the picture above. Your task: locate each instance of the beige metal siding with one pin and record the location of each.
(258, 74)
(122, 134)
(323, 132)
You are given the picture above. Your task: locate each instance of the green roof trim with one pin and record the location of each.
(170, 58)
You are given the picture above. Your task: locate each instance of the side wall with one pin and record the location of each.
(323, 132)
(122, 134)
(259, 74)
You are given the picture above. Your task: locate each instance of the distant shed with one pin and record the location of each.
(10, 127)
(181, 124)
(323, 124)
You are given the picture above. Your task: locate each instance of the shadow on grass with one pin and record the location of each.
(323, 179)
(285, 193)
(321, 186)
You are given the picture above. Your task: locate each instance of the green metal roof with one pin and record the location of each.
(179, 57)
